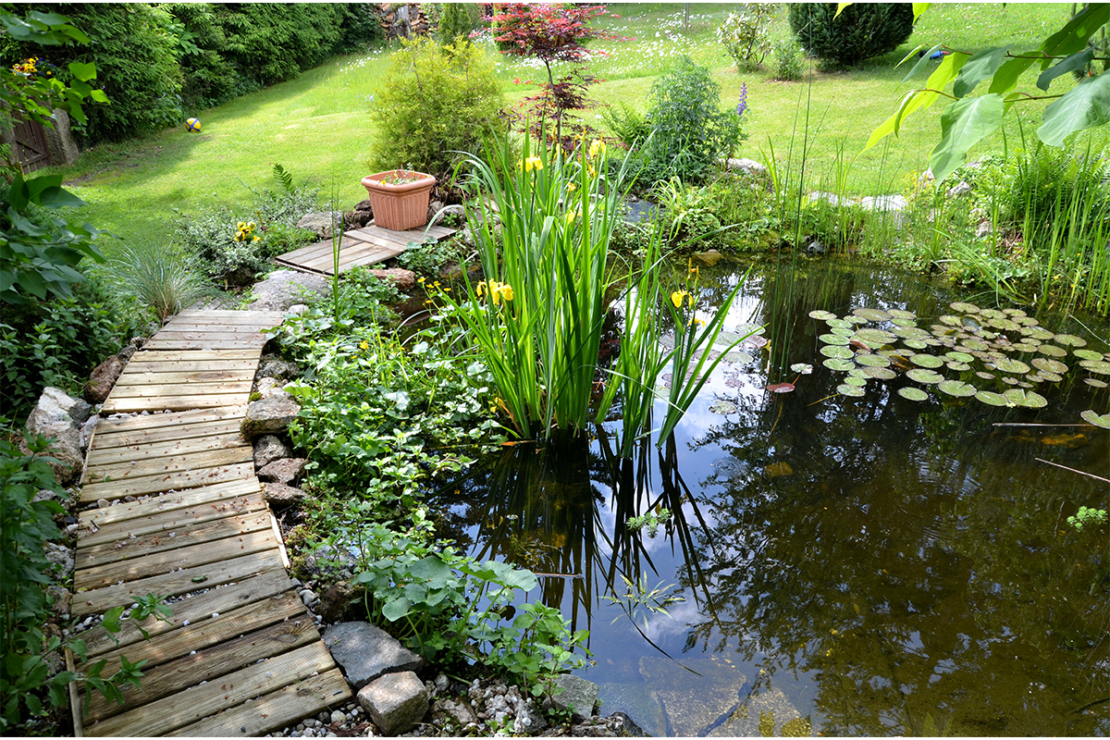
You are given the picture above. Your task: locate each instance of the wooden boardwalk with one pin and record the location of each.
(241, 655)
(366, 246)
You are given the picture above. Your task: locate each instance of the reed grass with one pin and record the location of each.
(159, 276)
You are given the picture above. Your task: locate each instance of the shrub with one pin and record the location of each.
(160, 277)
(689, 131)
(437, 104)
(788, 60)
(862, 31)
(361, 26)
(626, 123)
(746, 34)
(457, 19)
(208, 77)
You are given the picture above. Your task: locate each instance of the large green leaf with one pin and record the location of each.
(978, 68)
(1074, 36)
(945, 72)
(83, 71)
(396, 609)
(921, 62)
(1085, 106)
(918, 9)
(1079, 60)
(963, 124)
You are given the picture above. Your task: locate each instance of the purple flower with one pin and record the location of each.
(743, 105)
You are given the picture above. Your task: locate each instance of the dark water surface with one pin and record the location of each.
(873, 565)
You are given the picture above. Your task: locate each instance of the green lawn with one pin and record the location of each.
(316, 126)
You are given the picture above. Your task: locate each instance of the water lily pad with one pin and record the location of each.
(834, 339)
(913, 394)
(801, 367)
(833, 350)
(839, 364)
(858, 372)
(1087, 354)
(1100, 367)
(985, 375)
(868, 360)
(901, 313)
(915, 343)
(1070, 340)
(822, 315)
(904, 323)
(909, 332)
(991, 399)
(959, 356)
(1008, 380)
(1011, 366)
(876, 335)
(1037, 332)
(843, 331)
(929, 361)
(960, 367)
(741, 358)
(1051, 377)
(1094, 382)
(872, 314)
(1027, 321)
(1024, 348)
(1035, 378)
(839, 322)
(975, 345)
(1005, 324)
(1091, 417)
(1028, 399)
(849, 390)
(879, 373)
(991, 313)
(1052, 366)
(722, 407)
(856, 381)
(964, 307)
(869, 343)
(950, 320)
(781, 388)
(921, 375)
(855, 319)
(1013, 312)
(957, 388)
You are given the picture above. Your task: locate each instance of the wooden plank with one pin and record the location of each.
(190, 366)
(361, 261)
(146, 564)
(194, 704)
(164, 503)
(160, 466)
(369, 255)
(193, 355)
(220, 326)
(151, 377)
(383, 238)
(174, 520)
(172, 403)
(219, 334)
(113, 490)
(228, 313)
(318, 248)
(151, 421)
(300, 268)
(182, 389)
(131, 549)
(74, 697)
(106, 441)
(275, 710)
(208, 345)
(109, 455)
(209, 665)
(172, 584)
(247, 591)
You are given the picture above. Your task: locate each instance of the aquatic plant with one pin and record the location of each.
(1086, 516)
(649, 521)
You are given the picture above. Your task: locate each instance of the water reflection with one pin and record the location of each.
(875, 565)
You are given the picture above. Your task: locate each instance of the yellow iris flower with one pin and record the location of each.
(597, 148)
(497, 291)
(679, 296)
(532, 163)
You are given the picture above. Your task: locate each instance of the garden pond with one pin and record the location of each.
(861, 561)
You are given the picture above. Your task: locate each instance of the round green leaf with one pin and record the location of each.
(1091, 417)
(957, 388)
(913, 394)
(921, 375)
(849, 390)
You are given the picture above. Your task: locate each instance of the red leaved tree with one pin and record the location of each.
(550, 33)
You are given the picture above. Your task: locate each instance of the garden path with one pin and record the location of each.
(366, 246)
(242, 657)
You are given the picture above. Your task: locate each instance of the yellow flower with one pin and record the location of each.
(571, 215)
(242, 225)
(597, 148)
(506, 292)
(679, 296)
(532, 163)
(258, 239)
(571, 187)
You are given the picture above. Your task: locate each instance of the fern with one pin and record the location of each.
(284, 178)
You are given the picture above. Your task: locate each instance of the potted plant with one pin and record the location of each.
(399, 198)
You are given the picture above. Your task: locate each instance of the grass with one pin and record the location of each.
(316, 126)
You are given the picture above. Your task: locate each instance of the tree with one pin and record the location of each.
(551, 33)
(970, 118)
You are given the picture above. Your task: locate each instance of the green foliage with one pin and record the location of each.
(861, 31)
(627, 123)
(208, 77)
(746, 34)
(1087, 517)
(451, 606)
(638, 602)
(436, 105)
(649, 521)
(789, 65)
(159, 277)
(361, 26)
(458, 19)
(689, 131)
(39, 251)
(430, 258)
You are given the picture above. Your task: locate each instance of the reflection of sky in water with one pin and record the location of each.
(867, 563)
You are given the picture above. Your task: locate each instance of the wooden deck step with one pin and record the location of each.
(366, 246)
(163, 503)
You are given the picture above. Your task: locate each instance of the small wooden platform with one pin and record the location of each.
(366, 246)
(241, 655)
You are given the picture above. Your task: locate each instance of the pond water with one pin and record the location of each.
(840, 565)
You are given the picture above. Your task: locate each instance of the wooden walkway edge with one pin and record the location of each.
(366, 246)
(241, 655)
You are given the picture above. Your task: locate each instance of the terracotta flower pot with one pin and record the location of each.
(399, 198)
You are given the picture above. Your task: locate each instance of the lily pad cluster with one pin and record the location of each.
(997, 357)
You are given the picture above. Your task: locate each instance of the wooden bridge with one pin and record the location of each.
(241, 655)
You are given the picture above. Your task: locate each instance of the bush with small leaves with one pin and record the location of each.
(861, 31)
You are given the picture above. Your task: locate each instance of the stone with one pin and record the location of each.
(270, 415)
(618, 724)
(816, 247)
(267, 387)
(746, 166)
(437, 212)
(287, 470)
(61, 556)
(829, 198)
(281, 494)
(403, 279)
(284, 288)
(59, 416)
(709, 258)
(396, 702)
(102, 378)
(320, 223)
(59, 140)
(984, 230)
(335, 601)
(884, 203)
(635, 699)
(337, 718)
(442, 683)
(61, 599)
(962, 188)
(357, 219)
(297, 309)
(578, 695)
(127, 352)
(365, 652)
(528, 719)
(693, 702)
(277, 368)
(768, 706)
(365, 206)
(448, 711)
(268, 448)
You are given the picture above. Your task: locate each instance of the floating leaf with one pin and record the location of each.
(1051, 377)
(781, 388)
(822, 315)
(1091, 417)
(839, 364)
(922, 375)
(991, 399)
(1038, 333)
(741, 358)
(959, 356)
(858, 372)
(1005, 324)
(1024, 348)
(880, 373)
(849, 390)
(834, 323)
(856, 381)
(991, 313)
(1087, 354)
(872, 314)
(1017, 312)
(855, 319)
(1010, 381)
(723, 408)
(911, 332)
(929, 361)
(832, 350)
(964, 307)
(1100, 367)
(913, 394)
(876, 335)
(950, 320)
(1023, 384)
(985, 375)
(834, 339)
(904, 323)
(1052, 366)
(915, 343)
(902, 314)
(957, 388)
(1011, 366)
(1035, 377)
(1028, 399)
(872, 360)
(1070, 340)
(959, 367)
(1094, 382)
(975, 345)
(848, 331)
(801, 367)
